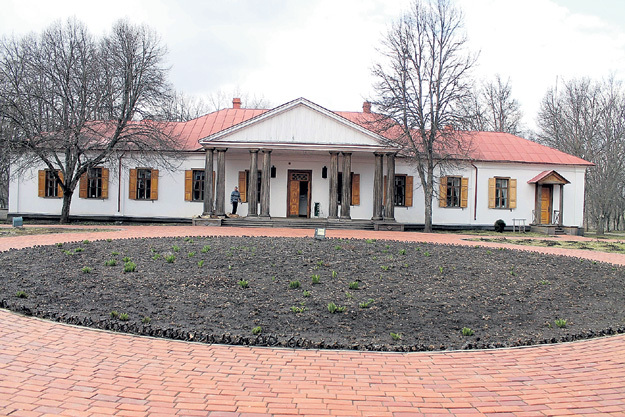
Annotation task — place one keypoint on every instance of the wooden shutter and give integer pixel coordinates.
(491, 192)
(188, 185)
(82, 186)
(42, 183)
(132, 185)
(105, 183)
(464, 192)
(442, 192)
(512, 193)
(409, 187)
(59, 184)
(243, 186)
(154, 185)
(355, 189)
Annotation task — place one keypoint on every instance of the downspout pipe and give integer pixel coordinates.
(119, 185)
(475, 196)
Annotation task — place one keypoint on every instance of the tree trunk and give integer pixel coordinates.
(600, 225)
(67, 201)
(429, 192)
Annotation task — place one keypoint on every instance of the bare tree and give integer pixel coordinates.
(587, 119)
(73, 102)
(181, 107)
(423, 75)
(492, 108)
(222, 99)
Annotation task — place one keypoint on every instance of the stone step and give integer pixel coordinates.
(300, 224)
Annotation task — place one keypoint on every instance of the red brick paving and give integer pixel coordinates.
(53, 369)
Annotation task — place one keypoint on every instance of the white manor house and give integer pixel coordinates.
(301, 161)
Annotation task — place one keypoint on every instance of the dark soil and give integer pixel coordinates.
(424, 293)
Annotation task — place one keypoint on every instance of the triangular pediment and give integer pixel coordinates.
(548, 177)
(298, 124)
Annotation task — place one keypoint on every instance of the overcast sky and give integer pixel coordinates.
(323, 50)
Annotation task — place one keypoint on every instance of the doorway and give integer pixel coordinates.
(545, 204)
(298, 198)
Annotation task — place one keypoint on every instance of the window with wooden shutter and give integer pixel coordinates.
(355, 189)
(94, 183)
(188, 185)
(502, 193)
(194, 185)
(105, 183)
(464, 192)
(409, 189)
(82, 186)
(154, 185)
(512, 191)
(243, 186)
(442, 192)
(491, 193)
(132, 185)
(42, 183)
(58, 185)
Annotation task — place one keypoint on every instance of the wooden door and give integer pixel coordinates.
(294, 186)
(545, 205)
(293, 198)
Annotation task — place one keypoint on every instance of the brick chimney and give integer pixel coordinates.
(236, 103)
(366, 107)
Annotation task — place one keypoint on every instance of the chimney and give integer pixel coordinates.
(366, 107)
(236, 103)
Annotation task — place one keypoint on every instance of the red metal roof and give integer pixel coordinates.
(484, 146)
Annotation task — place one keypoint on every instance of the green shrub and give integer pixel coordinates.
(86, 269)
(146, 320)
(315, 279)
(86, 242)
(175, 248)
(125, 259)
(333, 308)
(294, 285)
(114, 314)
(257, 330)
(396, 336)
(111, 262)
(123, 316)
(21, 294)
(335, 274)
(306, 293)
(200, 263)
(467, 332)
(114, 253)
(170, 259)
(354, 285)
(366, 304)
(130, 267)
(296, 309)
(244, 284)
(561, 323)
(78, 250)
(206, 248)
(191, 254)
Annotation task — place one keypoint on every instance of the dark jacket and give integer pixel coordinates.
(235, 197)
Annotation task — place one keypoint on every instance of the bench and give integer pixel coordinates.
(518, 224)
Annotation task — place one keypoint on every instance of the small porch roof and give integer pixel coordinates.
(549, 177)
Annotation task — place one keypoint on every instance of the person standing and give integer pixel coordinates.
(235, 199)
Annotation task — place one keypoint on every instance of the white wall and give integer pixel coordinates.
(23, 197)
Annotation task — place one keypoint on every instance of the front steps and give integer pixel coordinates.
(297, 223)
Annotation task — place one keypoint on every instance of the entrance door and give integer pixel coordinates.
(545, 204)
(298, 204)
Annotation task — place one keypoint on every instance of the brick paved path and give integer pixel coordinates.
(53, 369)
